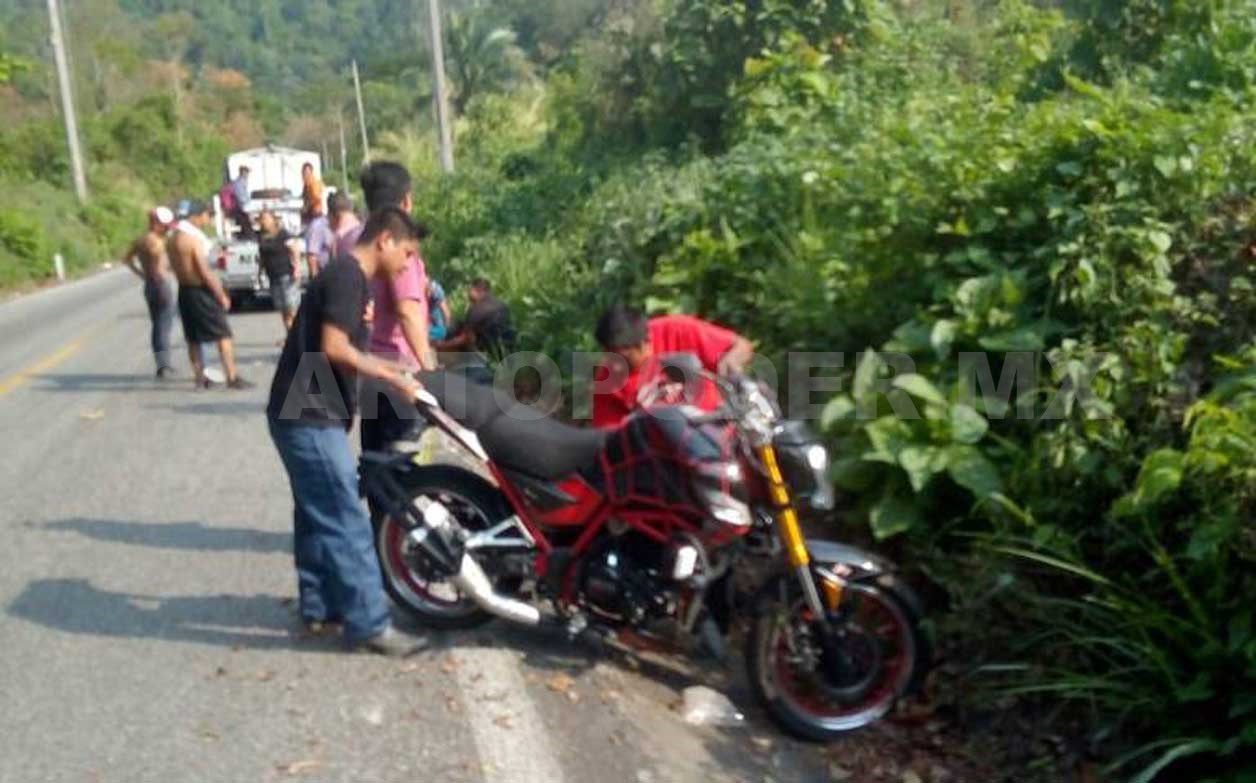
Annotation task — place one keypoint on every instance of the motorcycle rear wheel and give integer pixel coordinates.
(411, 581)
(883, 648)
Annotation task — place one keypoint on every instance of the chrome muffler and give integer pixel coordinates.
(470, 578)
(474, 583)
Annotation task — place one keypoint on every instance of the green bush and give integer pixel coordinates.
(137, 159)
(22, 244)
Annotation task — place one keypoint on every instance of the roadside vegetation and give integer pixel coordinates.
(1065, 187)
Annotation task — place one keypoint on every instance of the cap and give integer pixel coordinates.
(194, 207)
(162, 215)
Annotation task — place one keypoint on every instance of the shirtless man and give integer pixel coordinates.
(203, 303)
(147, 259)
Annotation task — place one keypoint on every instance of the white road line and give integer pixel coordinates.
(509, 734)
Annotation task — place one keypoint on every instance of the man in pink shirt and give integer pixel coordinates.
(400, 314)
(399, 328)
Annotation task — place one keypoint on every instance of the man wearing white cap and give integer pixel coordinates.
(147, 259)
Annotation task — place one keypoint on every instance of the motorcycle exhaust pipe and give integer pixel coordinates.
(470, 578)
(473, 582)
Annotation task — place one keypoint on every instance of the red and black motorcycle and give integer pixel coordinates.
(681, 526)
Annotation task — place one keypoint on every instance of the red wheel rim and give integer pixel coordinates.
(880, 622)
(394, 539)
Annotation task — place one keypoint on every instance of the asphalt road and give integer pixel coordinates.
(146, 587)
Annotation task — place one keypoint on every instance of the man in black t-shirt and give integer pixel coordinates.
(313, 400)
(485, 331)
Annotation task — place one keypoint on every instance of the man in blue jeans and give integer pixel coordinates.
(313, 400)
(147, 259)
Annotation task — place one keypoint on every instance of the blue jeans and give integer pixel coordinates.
(160, 297)
(338, 576)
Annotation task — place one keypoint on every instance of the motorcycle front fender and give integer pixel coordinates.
(867, 567)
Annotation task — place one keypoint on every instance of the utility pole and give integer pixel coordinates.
(344, 154)
(67, 101)
(357, 91)
(441, 93)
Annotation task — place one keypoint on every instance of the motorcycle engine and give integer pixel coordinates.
(621, 582)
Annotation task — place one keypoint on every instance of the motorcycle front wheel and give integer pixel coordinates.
(881, 648)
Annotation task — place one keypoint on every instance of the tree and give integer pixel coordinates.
(176, 31)
(549, 30)
(484, 58)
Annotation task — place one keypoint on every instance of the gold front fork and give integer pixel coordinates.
(787, 525)
(790, 531)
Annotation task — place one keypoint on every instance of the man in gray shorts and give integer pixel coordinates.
(277, 251)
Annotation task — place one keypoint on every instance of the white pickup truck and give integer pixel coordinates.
(275, 184)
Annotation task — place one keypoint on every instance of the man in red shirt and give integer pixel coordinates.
(640, 341)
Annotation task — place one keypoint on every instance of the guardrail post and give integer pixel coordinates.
(58, 264)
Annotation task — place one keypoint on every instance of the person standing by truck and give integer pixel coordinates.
(147, 259)
(324, 234)
(235, 197)
(280, 261)
(203, 303)
(311, 195)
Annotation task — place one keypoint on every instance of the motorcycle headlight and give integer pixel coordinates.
(805, 464)
(818, 458)
(823, 497)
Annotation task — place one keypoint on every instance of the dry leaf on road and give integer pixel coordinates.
(611, 695)
(560, 683)
(299, 767)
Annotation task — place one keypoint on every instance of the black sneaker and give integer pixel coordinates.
(240, 384)
(391, 644)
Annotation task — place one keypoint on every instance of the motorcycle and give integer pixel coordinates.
(681, 527)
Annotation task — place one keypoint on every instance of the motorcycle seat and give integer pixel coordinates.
(511, 433)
